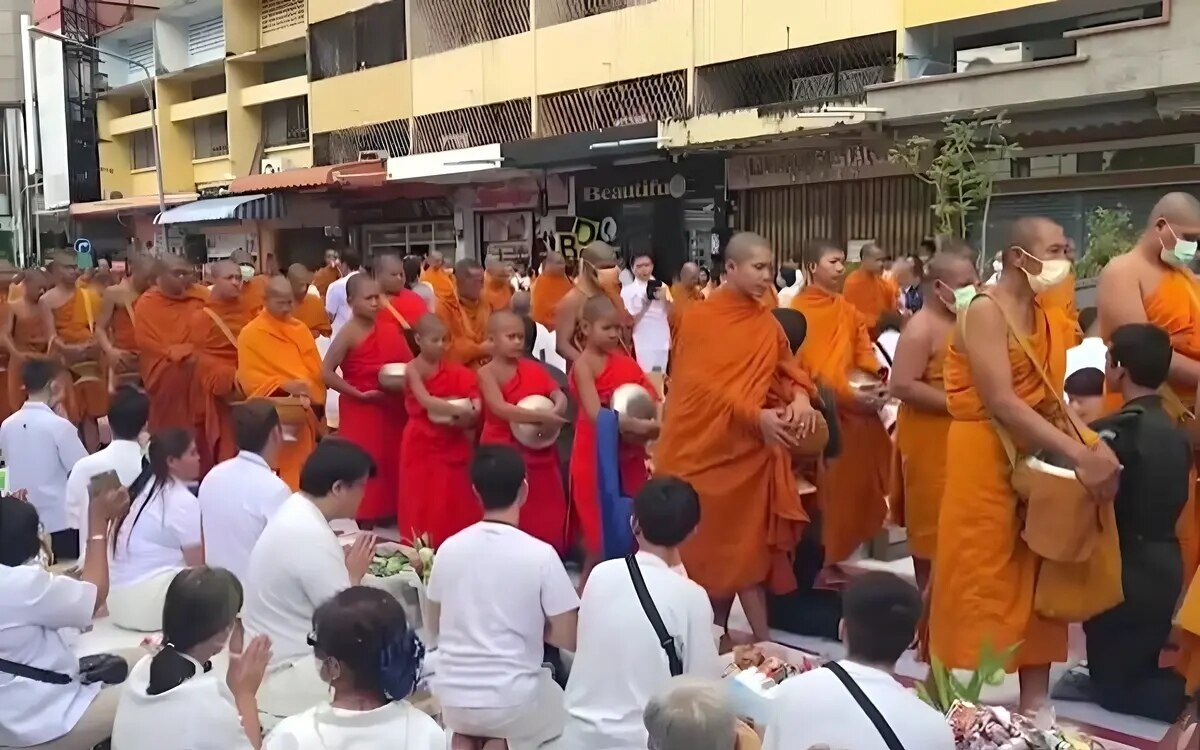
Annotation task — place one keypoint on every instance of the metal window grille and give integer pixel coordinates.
(142, 52)
(206, 36)
(141, 150)
(285, 122)
(823, 75)
(441, 25)
(281, 14)
(388, 139)
(473, 126)
(629, 102)
(210, 137)
(551, 12)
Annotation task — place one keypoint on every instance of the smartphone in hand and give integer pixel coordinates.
(103, 482)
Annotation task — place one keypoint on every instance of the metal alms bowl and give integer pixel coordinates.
(391, 376)
(535, 436)
(633, 400)
(439, 419)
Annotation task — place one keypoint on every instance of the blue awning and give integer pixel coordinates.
(259, 206)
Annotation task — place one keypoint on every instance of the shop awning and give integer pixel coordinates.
(229, 208)
(132, 203)
(358, 174)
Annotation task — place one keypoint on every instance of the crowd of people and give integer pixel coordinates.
(192, 436)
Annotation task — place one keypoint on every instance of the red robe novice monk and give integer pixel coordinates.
(443, 406)
(371, 417)
(601, 368)
(503, 382)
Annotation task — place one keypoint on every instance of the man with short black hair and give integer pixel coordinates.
(128, 412)
(620, 664)
(298, 564)
(39, 448)
(649, 302)
(495, 596)
(239, 496)
(335, 297)
(879, 621)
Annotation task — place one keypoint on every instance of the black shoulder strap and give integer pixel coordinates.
(885, 730)
(36, 674)
(664, 638)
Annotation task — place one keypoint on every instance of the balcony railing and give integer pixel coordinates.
(386, 139)
(442, 25)
(551, 12)
(472, 126)
(629, 102)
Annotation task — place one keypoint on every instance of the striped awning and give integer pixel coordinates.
(228, 208)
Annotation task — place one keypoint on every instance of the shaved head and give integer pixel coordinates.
(503, 320)
(174, 275)
(744, 245)
(435, 259)
(226, 280)
(521, 303)
(952, 269)
(600, 254)
(300, 278)
(1177, 208)
(689, 273)
(596, 308)
(279, 300)
(554, 264)
(749, 264)
(359, 283)
(468, 276)
(298, 271)
(871, 258)
(431, 325)
(388, 270)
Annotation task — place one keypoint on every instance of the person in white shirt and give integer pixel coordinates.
(619, 663)
(128, 411)
(239, 495)
(159, 537)
(37, 609)
(496, 595)
(412, 280)
(39, 448)
(793, 283)
(879, 620)
(335, 296)
(651, 332)
(625, 276)
(298, 564)
(174, 700)
(372, 662)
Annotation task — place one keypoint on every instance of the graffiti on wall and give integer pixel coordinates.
(567, 234)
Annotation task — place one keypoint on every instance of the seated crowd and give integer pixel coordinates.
(270, 639)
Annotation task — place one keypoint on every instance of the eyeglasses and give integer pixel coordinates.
(311, 639)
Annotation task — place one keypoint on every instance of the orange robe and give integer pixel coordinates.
(1062, 297)
(30, 339)
(310, 311)
(544, 295)
(497, 292)
(166, 357)
(770, 298)
(216, 376)
(727, 354)
(122, 337)
(919, 465)
(75, 323)
(254, 293)
(984, 573)
(853, 496)
(272, 352)
(324, 277)
(442, 281)
(6, 407)
(872, 294)
(467, 322)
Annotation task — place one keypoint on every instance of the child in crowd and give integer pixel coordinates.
(503, 383)
(603, 367)
(436, 448)
(1085, 393)
(496, 595)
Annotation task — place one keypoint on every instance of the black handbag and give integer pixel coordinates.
(108, 669)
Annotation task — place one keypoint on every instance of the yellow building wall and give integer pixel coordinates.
(244, 122)
(296, 157)
(126, 124)
(212, 170)
(923, 12)
(209, 105)
(470, 76)
(143, 182)
(113, 151)
(365, 97)
(175, 138)
(241, 25)
(253, 96)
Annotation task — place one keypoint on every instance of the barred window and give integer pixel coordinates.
(285, 122)
(141, 149)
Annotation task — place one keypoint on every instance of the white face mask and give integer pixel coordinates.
(1053, 273)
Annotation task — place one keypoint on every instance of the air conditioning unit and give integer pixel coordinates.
(272, 165)
(1000, 54)
(377, 154)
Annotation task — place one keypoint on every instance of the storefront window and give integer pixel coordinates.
(416, 238)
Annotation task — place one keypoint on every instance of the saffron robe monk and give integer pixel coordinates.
(838, 346)
(438, 278)
(435, 452)
(277, 357)
(503, 382)
(465, 316)
(167, 356)
(497, 288)
(308, 309)
(869, 290)
(70, 314)
(254, 284)
(328, 273)
(371, 417)
(919, 460)
(214, 330)
(599, 276)
(1152, 283)
(720, 436)
(24, 333)
(601, 368)
(984, 574)
(114, 324)
(548, 289)
(8, 275)
(686, 289)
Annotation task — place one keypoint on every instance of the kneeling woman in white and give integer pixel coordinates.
(174, 700)
(159, 537)
(372, 661)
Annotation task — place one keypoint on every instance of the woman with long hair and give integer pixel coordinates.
(372, 662)
(174, 700)
(159, 536)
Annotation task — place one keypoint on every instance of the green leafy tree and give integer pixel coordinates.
(960, 166)
(1110, 233)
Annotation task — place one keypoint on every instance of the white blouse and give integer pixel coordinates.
(397, 726)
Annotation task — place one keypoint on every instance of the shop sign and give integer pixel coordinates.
(806, 166)
(674, 187)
